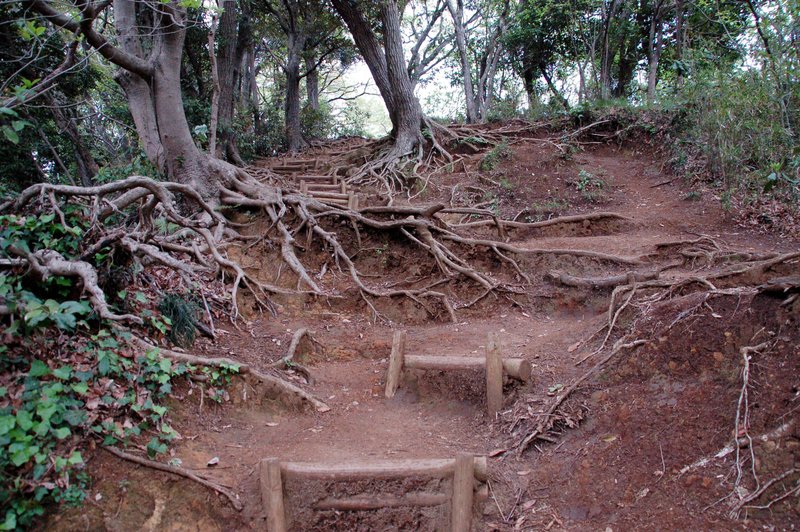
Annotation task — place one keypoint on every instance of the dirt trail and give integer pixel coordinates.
(436, 415)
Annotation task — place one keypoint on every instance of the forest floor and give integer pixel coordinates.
(648, 415)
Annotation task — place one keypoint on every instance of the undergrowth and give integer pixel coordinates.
(68, 378)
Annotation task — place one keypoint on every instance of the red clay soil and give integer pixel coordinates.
(651, 413)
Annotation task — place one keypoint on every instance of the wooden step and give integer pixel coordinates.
(466, 470)
(320, 187)
(319, 178)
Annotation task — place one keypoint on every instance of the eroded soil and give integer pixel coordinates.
(648, 415)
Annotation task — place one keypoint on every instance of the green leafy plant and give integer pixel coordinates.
(495, 155)
(590, 186)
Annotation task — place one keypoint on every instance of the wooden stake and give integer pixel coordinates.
(463, 479)
(395, 362)
(494, 377)
(272, 495)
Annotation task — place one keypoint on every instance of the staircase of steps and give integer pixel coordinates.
(309, 180)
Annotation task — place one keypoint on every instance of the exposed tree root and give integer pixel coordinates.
(279, 387)
(181, 472)
(288, 361)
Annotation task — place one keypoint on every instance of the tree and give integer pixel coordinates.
(479, 55)
(387, 64)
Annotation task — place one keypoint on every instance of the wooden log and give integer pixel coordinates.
(494, 376)
(518, 368)
(323, 187)
(303, 187)
(317, 178)
(272, 494)
(374, 502)
(352, 201)
(395, 362)
(331, 195)
(461, 506)
(380, 469)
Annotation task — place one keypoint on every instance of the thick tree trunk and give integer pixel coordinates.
(457, 13)
(369, 47)
(407, 115)
(156, 104)
(294, 134)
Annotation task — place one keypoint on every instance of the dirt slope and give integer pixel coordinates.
(650, 414)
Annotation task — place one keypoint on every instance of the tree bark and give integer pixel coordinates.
(294, 134)
(369, 47)
(312, 82)
(229, 58)
(407, 115)
(457, 13)
(654, 53)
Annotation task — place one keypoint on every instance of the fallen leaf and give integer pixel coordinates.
(609, 439)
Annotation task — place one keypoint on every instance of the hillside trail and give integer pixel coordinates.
(433, 415)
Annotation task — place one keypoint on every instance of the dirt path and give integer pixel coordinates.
(436, 415)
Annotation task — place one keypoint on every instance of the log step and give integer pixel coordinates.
(466, 470)
(322, 187)
(496, 366)
(315, 177)
(518, 368)
(380, 469)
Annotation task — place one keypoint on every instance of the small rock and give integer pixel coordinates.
(718, 356)
(214, 461)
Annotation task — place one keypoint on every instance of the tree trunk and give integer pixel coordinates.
(87, 167)
(294, 134)
(457, 13)
(369, 47)
(607, 56)
(156, 104)
(407, 115)
(312, 83)
(556, 94)
(229, 59)
(654, 55)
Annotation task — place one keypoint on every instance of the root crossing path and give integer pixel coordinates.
(441, 414)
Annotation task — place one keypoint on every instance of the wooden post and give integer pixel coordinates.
(303, 187)
(344, 187)
(463, 479)
(272, 495)
(494, 376)
(395, 362)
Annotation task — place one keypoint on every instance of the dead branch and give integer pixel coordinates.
(181, 472)
(544, 425)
